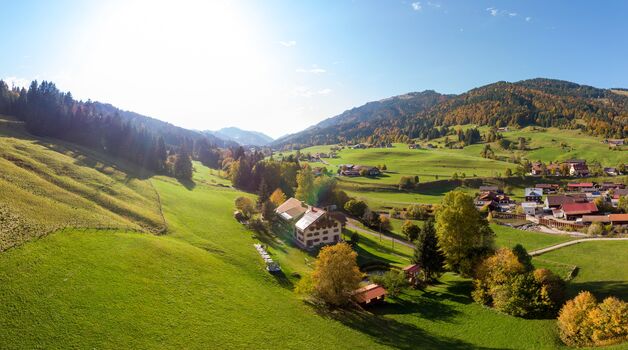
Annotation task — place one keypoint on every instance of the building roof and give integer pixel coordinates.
(533, 192)
(580, 167)
(595, 218)
(291, 209)
(368, 293)
(310, 217)
(412, 268)
(579, 208)
(618, 217)
(580, 185)
(546, 185)
(559, 199)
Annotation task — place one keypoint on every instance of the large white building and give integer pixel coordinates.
(317, 227)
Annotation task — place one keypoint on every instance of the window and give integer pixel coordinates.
(317, 240)
(336, 238)
(325, 232)
(336, 230)
(309, 235)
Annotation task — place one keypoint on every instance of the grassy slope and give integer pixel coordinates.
(509, 237)
(48, 184)
(602, 266)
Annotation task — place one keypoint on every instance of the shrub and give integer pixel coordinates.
(355, 207)
(408, 182)
(410, 230)
(584, 322)
(245, 205)
(417, 212)
(393, 281)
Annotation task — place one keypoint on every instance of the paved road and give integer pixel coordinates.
(565, 244)
(351, 225)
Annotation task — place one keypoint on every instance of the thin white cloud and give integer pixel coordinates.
(416, 6)
(528, 19)
(304, 91)
(17, 82)
(433, 4)
(493, 11)
(497, 12)
(512, 14)
(314, 70)
(290, 43)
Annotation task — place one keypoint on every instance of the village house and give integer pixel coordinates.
(581, 187)
(618, 219)
(577, 167)
(614, 143)
(493, 201)
(317, 227)
(548, 188)
(575, 211)
(534, 195)
(611, 171)
(369, 294)
(530, 208)
(414, 146)
(412, 273)
(556, 201)
(359, 146)
(358, 170)
(553, 169)
(502, 129)
(291, 210)
(537, 169)
(617, 194)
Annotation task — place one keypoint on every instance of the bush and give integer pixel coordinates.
(408, 182)
(584, 322)
(245, 205)
(410, 230)
(355, 208)
(393, 281)
(417, 212)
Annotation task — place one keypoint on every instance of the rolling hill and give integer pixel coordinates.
(540, 102)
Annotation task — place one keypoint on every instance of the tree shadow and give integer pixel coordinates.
(189, 184)
(390, 332)
(425, 307)
(283, 280)
(601, 289)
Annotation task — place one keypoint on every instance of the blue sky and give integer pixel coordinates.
(280, 66)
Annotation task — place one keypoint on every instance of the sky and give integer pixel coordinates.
(280, 66)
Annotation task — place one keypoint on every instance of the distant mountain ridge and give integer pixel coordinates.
(242, 137)
(543, 102)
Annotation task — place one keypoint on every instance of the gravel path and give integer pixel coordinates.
(565, 244)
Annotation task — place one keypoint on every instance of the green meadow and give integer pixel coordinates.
(203, 285)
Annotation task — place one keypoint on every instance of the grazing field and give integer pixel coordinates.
(47, 184)
(509, 237)
(601, 266)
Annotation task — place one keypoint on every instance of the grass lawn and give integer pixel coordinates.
(509, 237)
(601, 266)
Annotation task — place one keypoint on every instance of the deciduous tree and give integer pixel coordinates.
(336, 274)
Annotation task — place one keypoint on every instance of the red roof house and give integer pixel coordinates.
(371, 293)
(577, 210)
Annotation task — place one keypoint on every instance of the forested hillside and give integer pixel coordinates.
(144, 141)
(540, 102)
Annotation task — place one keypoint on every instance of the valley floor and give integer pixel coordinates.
(204, 286)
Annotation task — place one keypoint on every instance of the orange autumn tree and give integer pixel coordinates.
(277, 197)
(336, 274)
(584, 322)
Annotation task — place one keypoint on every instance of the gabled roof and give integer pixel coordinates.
(579, 208)
(368, 293)
(533, 192)
(414, 268)
(291, 209)
(559, 199)
(309, 218)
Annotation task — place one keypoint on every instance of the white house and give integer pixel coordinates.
(317, 227)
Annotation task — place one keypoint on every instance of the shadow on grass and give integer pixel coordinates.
(283, 280)
(187, 183)
(601, 289)
(425, 307)
(390, 332)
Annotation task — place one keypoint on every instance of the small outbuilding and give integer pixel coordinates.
(369, 294)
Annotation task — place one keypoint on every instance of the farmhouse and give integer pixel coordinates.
(291, 210)
(357, 170)
(369, 294)
(529, 208)
(578, 169)
(547, 188)
(534, 195)
(556, 201)
(414, 146)
(317, 227)
(581, 186)
(615, 142)
(573, 211)
(538, 169)
(412, 272)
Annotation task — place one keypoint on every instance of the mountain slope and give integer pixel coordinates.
(242, 137)
(542, 102)
(362, 121)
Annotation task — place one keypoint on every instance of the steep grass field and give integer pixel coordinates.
(47, 185)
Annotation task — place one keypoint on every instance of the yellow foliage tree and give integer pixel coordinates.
(584, 322)
(336, 274)
(278, 197)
